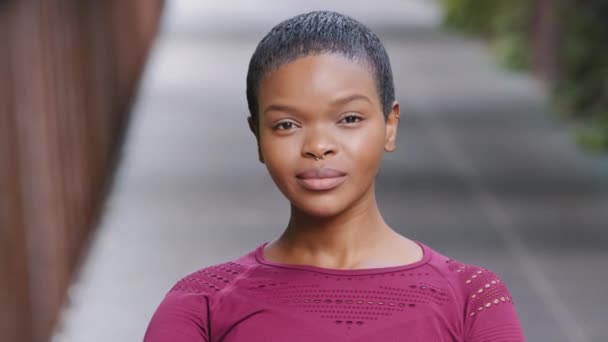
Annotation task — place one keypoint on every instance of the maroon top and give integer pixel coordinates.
(256, 300)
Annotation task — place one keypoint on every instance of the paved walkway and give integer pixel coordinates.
(482, 173)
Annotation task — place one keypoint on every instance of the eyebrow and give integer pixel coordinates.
(342, 101)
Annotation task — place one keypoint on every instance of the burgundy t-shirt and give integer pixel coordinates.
(251, 299)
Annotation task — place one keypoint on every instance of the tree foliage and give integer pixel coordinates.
(581, 84)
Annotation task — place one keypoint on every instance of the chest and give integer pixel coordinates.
(326, 311)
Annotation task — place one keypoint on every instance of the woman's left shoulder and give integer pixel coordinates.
(462, 273)
(485, 298)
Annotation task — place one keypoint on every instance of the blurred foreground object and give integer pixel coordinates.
(564, 42)
(68, 73)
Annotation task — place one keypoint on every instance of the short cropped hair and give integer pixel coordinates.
(316, 33)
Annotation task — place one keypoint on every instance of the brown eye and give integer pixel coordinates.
(284, 125)
(352, 119)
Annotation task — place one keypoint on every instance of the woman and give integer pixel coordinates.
(323, 112)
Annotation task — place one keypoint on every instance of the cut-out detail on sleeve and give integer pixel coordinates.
(489, 308)
(183, 315)
(483, 287)
(210, 279)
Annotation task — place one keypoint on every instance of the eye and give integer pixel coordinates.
(349, 119)
(286, 125)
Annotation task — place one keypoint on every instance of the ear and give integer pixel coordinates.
(392, 123)
(254, 129)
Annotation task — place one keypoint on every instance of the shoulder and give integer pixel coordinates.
(185, 309)
(214, 280)
(485, 298)
(479, 287)
(210, 280)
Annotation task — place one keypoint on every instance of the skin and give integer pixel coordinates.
(327, 105)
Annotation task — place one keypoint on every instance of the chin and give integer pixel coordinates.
(320, 208)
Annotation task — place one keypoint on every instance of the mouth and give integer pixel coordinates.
(321, 178)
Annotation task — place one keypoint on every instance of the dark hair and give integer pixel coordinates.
(316, 33)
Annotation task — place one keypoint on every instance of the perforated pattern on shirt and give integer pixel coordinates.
(344, 303)
(210, 279)
(485, 289)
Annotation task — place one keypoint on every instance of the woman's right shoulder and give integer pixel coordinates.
(185, 309)
(210, 280)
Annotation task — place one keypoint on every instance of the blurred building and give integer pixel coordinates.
(68, 70)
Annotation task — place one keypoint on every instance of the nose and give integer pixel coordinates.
(318, 144)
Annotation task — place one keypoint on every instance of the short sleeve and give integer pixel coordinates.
(180, 317)
(490, 311)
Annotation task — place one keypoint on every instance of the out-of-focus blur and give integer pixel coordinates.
(68, 72)
(127, 162)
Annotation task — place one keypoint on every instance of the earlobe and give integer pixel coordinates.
(392, 123)
(254, 129)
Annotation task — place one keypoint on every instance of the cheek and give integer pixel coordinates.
(367, 150)
(280, 155)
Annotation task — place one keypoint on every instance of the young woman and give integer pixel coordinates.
(323, 112)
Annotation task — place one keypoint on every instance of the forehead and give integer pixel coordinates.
(318, 78)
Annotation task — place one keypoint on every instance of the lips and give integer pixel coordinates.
(321, 178)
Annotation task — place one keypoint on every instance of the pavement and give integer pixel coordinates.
(484, 172)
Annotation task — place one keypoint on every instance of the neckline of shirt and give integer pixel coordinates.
(426, 256)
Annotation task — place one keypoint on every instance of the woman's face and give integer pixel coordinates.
(323, 106)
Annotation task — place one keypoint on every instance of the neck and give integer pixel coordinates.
(341, 240)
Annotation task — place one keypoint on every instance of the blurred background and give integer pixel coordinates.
(126, 161)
